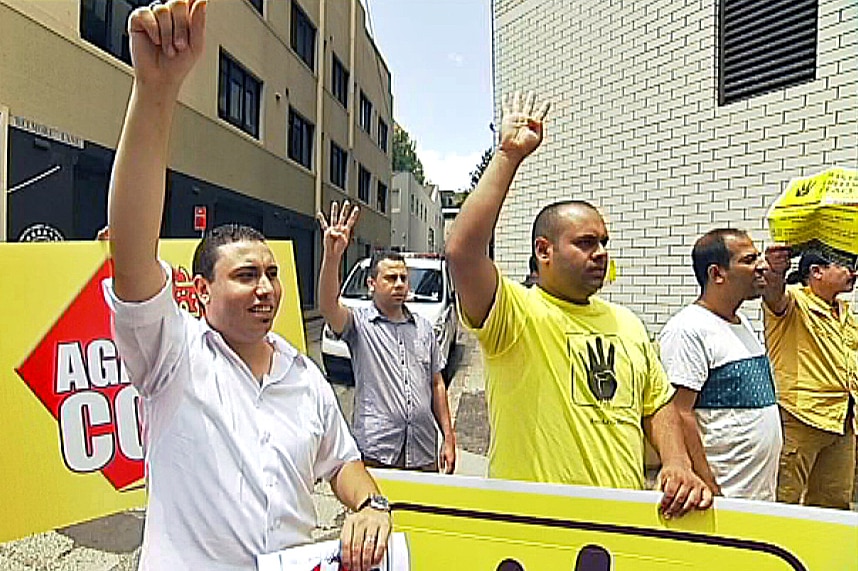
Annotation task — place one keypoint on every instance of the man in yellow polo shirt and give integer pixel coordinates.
(573, 382)
(812, 338)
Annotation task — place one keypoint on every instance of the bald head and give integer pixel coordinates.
(549, 222)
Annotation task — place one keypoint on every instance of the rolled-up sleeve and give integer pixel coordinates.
(150, 336)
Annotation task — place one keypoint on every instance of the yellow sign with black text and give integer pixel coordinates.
(70, 440)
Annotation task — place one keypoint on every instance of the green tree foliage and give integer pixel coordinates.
(481, 168)
(404, 156)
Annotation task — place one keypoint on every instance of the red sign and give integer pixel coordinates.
(200, 218)
(76, 372)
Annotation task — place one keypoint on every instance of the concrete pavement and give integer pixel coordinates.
(112, 543)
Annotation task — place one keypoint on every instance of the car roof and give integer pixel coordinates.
(413, 260)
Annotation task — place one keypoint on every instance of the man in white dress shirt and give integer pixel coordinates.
(238, 426)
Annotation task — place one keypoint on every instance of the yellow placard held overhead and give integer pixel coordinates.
(820, 212)
(70, 441)
(453, 522)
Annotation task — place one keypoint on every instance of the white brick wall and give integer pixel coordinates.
(636, 129)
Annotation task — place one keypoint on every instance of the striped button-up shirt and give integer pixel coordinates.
(394, 363)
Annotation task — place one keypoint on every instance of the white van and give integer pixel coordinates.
(431, 296)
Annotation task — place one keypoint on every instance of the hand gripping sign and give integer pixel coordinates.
(819, 212)
(70, 437)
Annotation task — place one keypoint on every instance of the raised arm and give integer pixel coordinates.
(166, 41)
(468, 244)
(777, 262)
(335, 241)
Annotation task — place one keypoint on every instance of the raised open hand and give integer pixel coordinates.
(521, 124)
(166, 41)
(338, 233)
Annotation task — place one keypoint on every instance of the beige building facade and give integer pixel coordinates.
(289, 109)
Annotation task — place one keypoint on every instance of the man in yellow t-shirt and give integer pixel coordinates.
(812, 338)
(573, 382)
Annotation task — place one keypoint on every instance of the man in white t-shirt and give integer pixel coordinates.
(725, 390)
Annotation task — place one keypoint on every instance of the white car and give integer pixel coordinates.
(431, 295)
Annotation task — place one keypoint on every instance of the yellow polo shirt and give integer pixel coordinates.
(814, 356)
(567, 387)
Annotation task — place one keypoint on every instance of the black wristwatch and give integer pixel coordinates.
(376, 502)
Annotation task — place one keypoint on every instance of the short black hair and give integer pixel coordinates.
(547, 222)
(711, 249)
(808, 259)
(206, 256)
(533, 265)
(379, 256)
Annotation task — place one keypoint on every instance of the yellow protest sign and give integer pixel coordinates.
(69, 435)
(492, 525)
(821, 212)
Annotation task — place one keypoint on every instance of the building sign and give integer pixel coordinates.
(70, 438)
(46, 131)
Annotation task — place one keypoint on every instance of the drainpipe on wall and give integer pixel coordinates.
(4, 152)
(320, 104)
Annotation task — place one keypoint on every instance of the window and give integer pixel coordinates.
(395, 201)
(363, 184)
(340, 82)
(300, 139)
(381, 197)
(303, 36)
(257, 4)
(238, 96)
(339, 164)
(382, 135)
(412, 204)
(765, 45)
(103, 23)
(365, 113)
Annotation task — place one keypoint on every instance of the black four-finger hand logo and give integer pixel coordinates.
(600, 373)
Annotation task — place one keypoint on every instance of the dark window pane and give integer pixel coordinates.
(340, 81)
(363, 184)
(365, 113)
(303, 36)
(238, 96)
(300, 139)
(103, 24)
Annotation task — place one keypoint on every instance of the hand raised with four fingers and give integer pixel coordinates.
(166, 41)
(338, 233)
(521, 124)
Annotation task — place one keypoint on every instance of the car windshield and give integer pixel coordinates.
(425, 285)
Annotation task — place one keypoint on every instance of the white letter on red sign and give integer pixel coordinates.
(78, 413)
(102, 363)
(127, 426)
(71, 372)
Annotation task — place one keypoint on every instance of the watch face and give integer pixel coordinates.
(377, 502)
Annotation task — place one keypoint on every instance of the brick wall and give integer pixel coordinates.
(635, 128)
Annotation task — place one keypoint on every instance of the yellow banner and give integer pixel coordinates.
(491, 525)
(819, 212)
(70, 447)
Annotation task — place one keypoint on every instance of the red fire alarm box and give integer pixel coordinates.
(200, 218)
